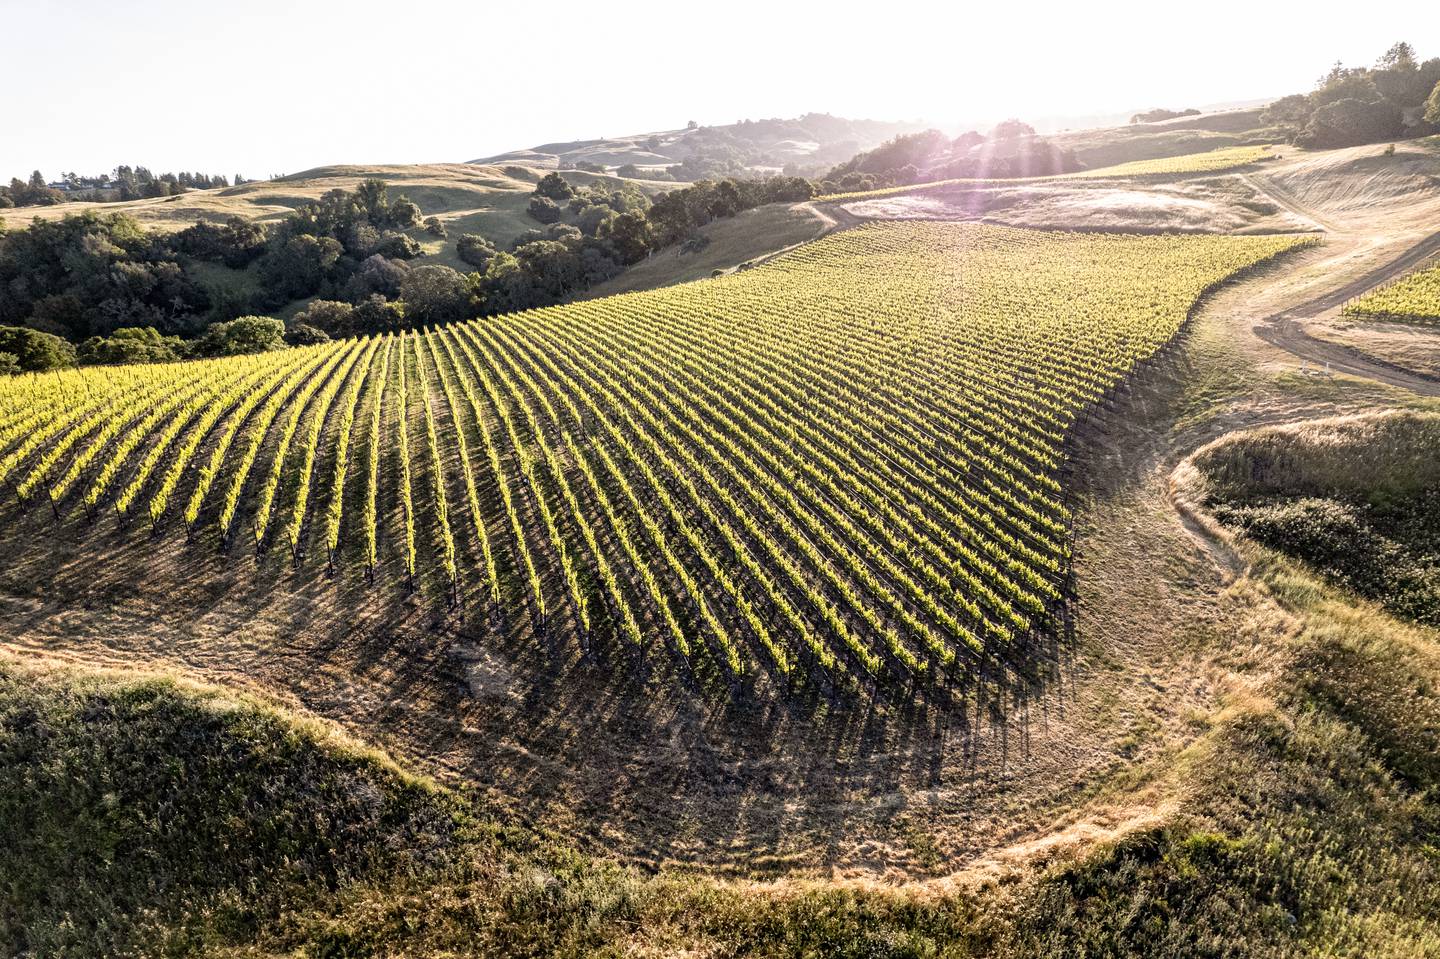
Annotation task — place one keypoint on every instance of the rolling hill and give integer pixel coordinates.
(468, 198)
(812, 140)
(1013, 568)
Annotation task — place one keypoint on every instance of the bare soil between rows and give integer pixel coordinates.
(655, 773)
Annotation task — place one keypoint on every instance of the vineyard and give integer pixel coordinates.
(1215, 161)
(845, 467)
(1415, 297)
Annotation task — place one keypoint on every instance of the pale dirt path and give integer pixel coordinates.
(1284, 198)
(1286, 328)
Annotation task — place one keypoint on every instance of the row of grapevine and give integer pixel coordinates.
(1414, 297)
(846, 466)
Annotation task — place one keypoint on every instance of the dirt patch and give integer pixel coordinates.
(1223, 204)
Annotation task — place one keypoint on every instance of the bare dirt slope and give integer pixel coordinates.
(1381, 215)
(654, 773)
(1213, 204)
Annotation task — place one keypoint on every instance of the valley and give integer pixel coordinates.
(1007, 565)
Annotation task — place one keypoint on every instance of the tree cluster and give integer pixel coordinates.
(123, 294)
(23, 350)
(91, 274)
(1012, 149)
(346, 245)
(123, 183)
(34, 192)
(607, 231)
(87, 277)
(27, 350)
(1156, 116)
(1398, 97)
(134, 183)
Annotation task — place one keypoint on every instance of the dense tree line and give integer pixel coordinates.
(1156, 116)
(34, 192)
(124, 183)
(26, 350)
(129, 183)
(97, 288)
(1012, 149)
(1398, 97)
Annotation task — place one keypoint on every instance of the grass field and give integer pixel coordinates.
(690, 474)
(729, 243)
(1214, 161)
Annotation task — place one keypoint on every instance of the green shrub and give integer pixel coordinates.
(35, 352)
(543, 209)
(248, 334)
(132, 344)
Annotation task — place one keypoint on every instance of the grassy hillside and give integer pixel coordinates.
(1110, 146)
(159, 816)
(467, 198)
(810, 140)
(1169, 167)
(727, 244)
(1358, 498)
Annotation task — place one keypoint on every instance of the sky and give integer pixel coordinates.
(261, 87)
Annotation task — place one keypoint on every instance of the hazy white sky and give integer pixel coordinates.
(276, 86)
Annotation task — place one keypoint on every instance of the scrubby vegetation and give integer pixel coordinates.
(1354, 105)
(1012, 149)
(1357, 499)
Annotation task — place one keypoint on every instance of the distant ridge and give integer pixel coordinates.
(814, 140)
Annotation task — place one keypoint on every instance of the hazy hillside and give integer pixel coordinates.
(468, 198)
(1147, 141)
(812, 140)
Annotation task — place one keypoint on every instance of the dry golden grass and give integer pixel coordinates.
(1392, 451)
(467, 198)
(1406, 345)
(733, 242)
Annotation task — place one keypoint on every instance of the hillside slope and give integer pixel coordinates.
(467, 198)
(810, 140)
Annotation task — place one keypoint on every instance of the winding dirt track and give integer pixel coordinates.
(1286, 330)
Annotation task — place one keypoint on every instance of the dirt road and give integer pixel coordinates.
(1286, 329)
